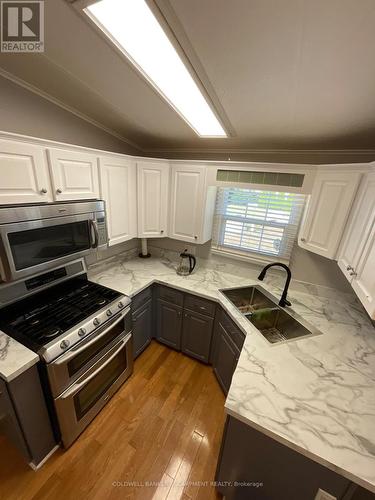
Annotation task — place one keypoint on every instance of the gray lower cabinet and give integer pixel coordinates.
(9, 424)
(168, 323)
(225, 358)
(142, 328)
(24, 417)
(196, 335)
(227, 343)
(252, 465)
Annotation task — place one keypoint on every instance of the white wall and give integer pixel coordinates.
(24, 112)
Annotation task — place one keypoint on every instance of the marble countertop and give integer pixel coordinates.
(315, 395)
(14, 358)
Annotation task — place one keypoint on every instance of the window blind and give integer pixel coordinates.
(249, 221)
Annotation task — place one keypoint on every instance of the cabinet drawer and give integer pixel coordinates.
(141, 298)
(170, 295)
(235, 334)
(202, 306)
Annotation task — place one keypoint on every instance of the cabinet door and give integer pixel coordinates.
(9, 424)
(169, 322)
(359, 228)
(153, 191)
(142, 328)
(225, 358)
(187, 203)
(196, 335)
(364, 277)
(74, 175)
(118, 189)
(327, 212)
(23, 173)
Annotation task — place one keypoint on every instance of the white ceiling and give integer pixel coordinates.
(284, 74)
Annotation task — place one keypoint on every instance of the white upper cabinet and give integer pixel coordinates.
(118, 187)
(153, 197)
(23, 173)
(74, 175)
(192, 204)
(327, 211)
(359, 227)
(357, 252)
(364, 274)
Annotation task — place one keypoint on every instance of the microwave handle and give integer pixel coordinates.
(76, 387)
(73, 353)
(94, 233)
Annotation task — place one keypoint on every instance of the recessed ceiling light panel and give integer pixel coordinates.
(133, 28)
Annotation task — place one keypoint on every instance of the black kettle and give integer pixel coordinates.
(187, 263)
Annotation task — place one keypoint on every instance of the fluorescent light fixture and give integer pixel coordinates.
(132, 27)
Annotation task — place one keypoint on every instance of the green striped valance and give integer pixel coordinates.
(269, 178)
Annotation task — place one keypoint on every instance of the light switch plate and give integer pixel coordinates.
(323, 495)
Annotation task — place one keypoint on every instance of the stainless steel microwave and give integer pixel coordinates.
(34, 238)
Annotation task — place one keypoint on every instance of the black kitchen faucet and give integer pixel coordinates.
(283, 301)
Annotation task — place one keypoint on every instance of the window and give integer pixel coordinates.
(133, 28)
(257, 223)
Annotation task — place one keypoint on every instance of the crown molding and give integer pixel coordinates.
(70, 109)
(230, 151)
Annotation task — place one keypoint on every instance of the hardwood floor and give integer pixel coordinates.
(157, 438)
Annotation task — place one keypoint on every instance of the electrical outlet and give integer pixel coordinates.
(190, 249)
(323, 495)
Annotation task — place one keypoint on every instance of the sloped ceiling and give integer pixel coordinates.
(290, 74)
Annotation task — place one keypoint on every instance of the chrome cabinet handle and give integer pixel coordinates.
(73, 353)
(58, 191)
(76, 387)
(43, 191)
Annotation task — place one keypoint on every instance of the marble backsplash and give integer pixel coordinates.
(217, 263)
(251, 271)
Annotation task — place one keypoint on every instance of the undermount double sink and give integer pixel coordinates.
(275, 323)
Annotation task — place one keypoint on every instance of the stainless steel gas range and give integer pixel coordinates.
(81, 331)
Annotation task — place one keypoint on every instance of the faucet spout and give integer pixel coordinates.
(283, 301)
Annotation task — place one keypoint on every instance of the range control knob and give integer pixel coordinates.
(65, 344)
(96, 321)
(109, 312)
(82, 332)
(120, 305)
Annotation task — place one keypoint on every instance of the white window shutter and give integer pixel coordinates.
(250, 221)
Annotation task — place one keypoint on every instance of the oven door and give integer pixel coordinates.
(79, 404)
(71, 365)
(30, 247)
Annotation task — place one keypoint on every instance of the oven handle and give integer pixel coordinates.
(76, 387)
(73, 353)
(94, 229)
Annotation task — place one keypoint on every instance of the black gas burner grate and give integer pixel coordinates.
(48, 315)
